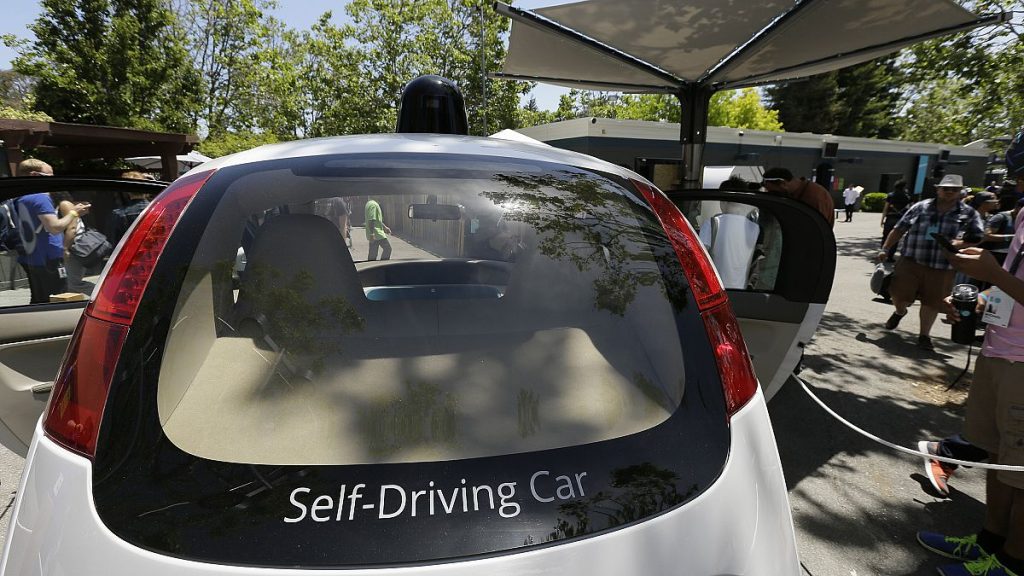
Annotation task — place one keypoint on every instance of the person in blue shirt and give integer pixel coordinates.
(42, 236)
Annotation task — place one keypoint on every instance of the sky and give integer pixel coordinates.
(299, 14)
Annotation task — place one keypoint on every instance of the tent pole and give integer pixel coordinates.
(694, 100)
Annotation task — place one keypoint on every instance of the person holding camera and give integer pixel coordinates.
(995, 415)
(922, 272)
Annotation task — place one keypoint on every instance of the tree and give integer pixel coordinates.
(736, 109)
(227, 42)
(742, 109)
(870, 96)
(968, 86)
(112, 62)
(334, 96)
(230, 142)
(809, 105)
(16, 90)
(398, 40)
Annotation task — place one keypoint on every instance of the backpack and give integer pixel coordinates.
(1015, 157)
(91, 247)
(9, 239)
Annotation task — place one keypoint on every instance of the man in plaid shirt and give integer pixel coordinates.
(922, 272)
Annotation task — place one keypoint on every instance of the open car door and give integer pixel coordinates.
(777, 259)
(33, 336)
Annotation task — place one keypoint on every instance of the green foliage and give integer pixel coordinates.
(742, 109)
(228, 41)
(860, 101)
(736, 109)
(16, 90)
(968, 86)
(225, 143)
(112, 62)
(10, 113)
(873, 202)
(396, 41)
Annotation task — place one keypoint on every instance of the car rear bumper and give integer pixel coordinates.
(741, 525)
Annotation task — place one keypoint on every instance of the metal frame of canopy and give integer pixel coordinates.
(695, 95)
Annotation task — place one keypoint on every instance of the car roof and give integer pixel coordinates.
(416, 144)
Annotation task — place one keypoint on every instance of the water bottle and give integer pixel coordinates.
(965, 300)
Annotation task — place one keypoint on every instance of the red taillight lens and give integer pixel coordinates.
(734, 368)
(707, 288)
(75, 408)
(118, 296)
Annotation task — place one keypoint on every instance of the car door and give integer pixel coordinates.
(33, 337)
(777, 259)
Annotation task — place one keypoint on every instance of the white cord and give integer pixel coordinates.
(899, 448)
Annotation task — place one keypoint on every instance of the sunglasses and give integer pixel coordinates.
(768, 181)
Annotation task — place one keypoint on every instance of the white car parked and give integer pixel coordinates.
(547, 378)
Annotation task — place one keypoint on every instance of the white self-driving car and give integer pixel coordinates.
(545, 378)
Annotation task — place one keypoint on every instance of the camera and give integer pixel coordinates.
(965, 301)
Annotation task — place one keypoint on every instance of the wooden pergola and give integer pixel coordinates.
(75, 142)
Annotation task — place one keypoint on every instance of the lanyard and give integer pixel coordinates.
(1016, 261)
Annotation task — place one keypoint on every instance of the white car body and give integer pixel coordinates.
(739, 524)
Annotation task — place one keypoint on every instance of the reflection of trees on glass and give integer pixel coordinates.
(287, 314)
(592, 225)
(642, 490)
(424, 416)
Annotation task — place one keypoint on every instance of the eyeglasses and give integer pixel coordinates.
(768, 181)
(35, 173)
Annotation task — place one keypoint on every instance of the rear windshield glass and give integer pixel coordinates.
(363, 310)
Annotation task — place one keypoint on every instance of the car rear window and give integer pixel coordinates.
(527, 368)
(520, 310)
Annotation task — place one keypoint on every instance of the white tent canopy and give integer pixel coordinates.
(661, 45)
(692, 48)
(185, 161)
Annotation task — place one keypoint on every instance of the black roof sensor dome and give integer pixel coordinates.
(434, 105)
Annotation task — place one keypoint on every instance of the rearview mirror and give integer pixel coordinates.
(435, 211)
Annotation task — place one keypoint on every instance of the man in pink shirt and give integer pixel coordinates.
(995, 419)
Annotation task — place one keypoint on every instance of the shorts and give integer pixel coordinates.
(912, 281)
(995, 414)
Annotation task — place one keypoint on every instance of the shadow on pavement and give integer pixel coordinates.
(852, 514)
(859, 247)
(906, 395)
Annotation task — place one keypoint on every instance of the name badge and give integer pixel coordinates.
(998, 308)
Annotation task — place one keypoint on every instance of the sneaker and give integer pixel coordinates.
(987, 566)
(937, 472)
(960, 548)
(894, 320)
(925, 343)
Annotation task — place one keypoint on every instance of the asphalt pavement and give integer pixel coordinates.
(856, 504)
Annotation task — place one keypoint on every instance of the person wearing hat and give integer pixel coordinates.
(922, 271)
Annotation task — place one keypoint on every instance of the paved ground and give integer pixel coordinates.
(856, 505)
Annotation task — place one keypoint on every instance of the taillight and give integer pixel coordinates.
(734, 369)
(707, 288)
(126, 280)
(75, 408)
